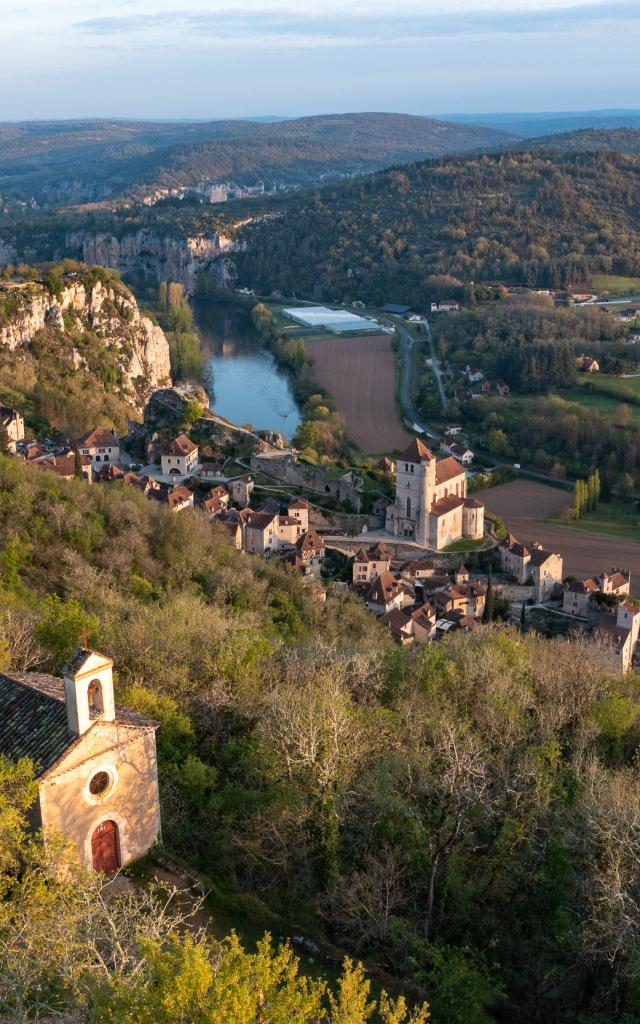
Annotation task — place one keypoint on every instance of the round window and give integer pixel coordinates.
(100, 783)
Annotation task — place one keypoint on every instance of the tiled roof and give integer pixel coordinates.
(473, 503)
(299, 503)
(415, 452)
(539, 556)
(32, 724)
(440, 508)
(261, 520)
(447, 469)
(310, 541)
(181, 446)
(101, 437)
(617, 579)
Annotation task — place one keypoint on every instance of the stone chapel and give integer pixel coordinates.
(95, 762)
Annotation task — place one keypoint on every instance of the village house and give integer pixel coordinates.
(384, 593)
(95, 761)
(241, 490)
(503, 389)
(220, 493)
(461, 454)
(589, 365)
(309, 554)
(261, 534)
(299, 508)
(64, 466)
(177, 498)
(100, 445)
(616, 582)
(431, 505)
(474, 374)
(420, 568)
(11, 428)
(445, 306)
(543, 568)
(370, 563)
(577, 596)
(180, 458)
(288, 530)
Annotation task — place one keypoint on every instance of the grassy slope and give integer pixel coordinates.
(614, 519)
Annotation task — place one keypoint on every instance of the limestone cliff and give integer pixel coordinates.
(162, 257)
(93, 325)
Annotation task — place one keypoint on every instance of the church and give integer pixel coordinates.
(431, 505)
(95, 761)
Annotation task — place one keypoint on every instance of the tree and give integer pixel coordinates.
(262, 318)
(487, 615)
(523, 616)
(60, 626)
(77, 463)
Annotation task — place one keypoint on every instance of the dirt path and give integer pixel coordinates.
(360, 375)
(523, 504)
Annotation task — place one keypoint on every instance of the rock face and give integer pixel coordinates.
(164, 258)
(108, 311)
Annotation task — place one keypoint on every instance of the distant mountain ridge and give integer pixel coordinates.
(531, 125)
(68, 162)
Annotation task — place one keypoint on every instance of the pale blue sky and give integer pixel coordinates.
(136, 58)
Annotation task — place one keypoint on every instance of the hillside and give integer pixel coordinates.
(545, 219)
(71, 162)
(323, 781)
(75, 350)
(618, 140)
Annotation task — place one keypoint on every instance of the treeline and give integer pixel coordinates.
(532, 344)
(559, 437)
(318, 774)
(586, 495)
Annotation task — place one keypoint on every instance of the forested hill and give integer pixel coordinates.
(619, 140)
(545, 219)
(92, 160)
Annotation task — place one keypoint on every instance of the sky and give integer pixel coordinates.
(202, 59)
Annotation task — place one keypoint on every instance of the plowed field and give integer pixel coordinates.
(359, 373)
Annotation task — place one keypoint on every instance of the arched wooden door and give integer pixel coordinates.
(104, 848)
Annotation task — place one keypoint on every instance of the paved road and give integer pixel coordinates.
(435, 365)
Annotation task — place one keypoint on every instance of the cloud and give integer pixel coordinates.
(364, 26)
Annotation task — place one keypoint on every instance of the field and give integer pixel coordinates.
(603, 404)
(614, 285)
(525, 505)
(360, 375)
(614, 518)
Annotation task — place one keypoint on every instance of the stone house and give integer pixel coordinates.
(11, 428)
(241, 490)
(309, 554)
(384, 594)
(546, 570)
(298, 509)
(95, 761)
(177, 499)
(370, 563)
(589, 365)
(261, 534)
(616, 582)
(180, 458)
(576, 598)
(100, 445)
(64, 466)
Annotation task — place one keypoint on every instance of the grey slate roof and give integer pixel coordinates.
(33, 718)
(32, 722)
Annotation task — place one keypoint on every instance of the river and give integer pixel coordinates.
(243, 380)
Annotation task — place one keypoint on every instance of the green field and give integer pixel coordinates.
(615, 519)
(467, 545)
(613, 285)
(605, 406)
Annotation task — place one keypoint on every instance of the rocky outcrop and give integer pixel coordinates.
(162, 257)
(108, 311)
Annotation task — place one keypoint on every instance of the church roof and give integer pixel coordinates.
(33, 719)
(33, 724)
(415, 452)
(447, 469)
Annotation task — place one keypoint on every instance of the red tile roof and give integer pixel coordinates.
(101, 437)
(416, 452)
(447, 469)
(182, 445)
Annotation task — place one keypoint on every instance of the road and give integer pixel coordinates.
(405, 389)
